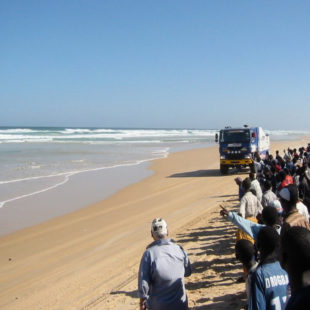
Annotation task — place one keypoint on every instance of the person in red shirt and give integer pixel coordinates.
(285, 179)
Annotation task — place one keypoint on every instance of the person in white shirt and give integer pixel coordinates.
(256, 186)
(268, 195)
(250, 206)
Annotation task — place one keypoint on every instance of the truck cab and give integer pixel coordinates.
(237, 147)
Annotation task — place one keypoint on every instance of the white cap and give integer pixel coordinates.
(285, 194)
(159, 226)
(289, 193)
(276, 204)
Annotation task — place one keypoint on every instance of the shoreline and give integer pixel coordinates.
(64, 193)
(72, 194)
(54, 196)
(88, 259)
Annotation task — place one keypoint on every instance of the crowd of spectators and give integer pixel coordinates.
(273, 241)
(274, 246)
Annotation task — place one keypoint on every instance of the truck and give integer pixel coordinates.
(238, 146)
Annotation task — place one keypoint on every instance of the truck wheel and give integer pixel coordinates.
(224, 169)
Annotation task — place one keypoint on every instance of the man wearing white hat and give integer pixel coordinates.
(161, 274)
(289, 198)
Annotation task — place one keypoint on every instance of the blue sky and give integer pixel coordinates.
(171, 64)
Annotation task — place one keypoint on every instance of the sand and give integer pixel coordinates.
(81, 190)
(89, 259)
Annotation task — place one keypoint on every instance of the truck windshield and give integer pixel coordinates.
(235, 136)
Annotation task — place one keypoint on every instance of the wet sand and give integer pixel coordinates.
(80, 190)
(89, 259)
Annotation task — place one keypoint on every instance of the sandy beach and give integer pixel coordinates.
(89, 259)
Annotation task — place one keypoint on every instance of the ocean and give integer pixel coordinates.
(28, 153)
(39, 165)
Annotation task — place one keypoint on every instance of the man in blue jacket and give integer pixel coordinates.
(161, 274)
(270, 218)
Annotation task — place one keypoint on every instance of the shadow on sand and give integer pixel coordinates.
(228, 301)
(220, 269)
(132, 294)
(197, 174)
(208, 173)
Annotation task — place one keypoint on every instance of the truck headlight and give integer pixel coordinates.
(222, 157)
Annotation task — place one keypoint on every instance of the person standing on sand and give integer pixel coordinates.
(250, 206)
(295, 259)
(270, 218)
(285, 179)
(269, 281)
(268, 194)
(245, 253)
(289, 198)
(304, 185)
(240, 190)
(161, 274)
(256, 186)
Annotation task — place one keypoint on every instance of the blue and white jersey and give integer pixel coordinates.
(268, 287)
